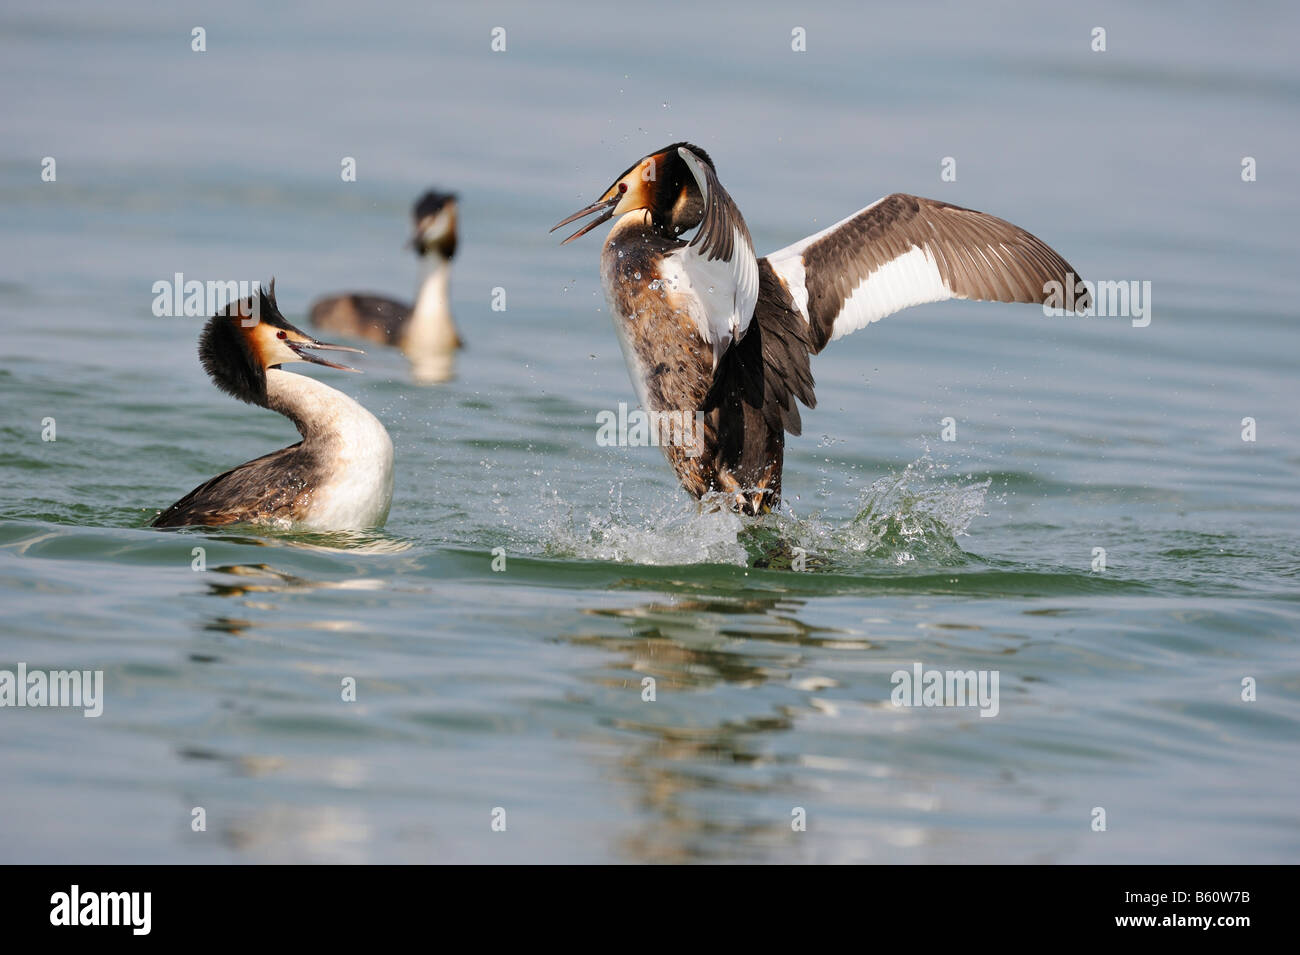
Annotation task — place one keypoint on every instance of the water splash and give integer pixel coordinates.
(917, 514)
(913, 516)
(678, 532)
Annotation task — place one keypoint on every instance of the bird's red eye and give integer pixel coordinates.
(622, 187)
(281, 334)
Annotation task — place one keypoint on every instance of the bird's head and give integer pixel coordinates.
(662, 184)
(249, 336)
(434, 215)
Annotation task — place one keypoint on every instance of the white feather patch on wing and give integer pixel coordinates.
(911, 279)
(905, 250)
(788, 262)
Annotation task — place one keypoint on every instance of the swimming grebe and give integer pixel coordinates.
(705, 326)
(425, 331)
(338, 477)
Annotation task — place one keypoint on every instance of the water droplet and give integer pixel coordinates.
(710, 289)
(636, 275)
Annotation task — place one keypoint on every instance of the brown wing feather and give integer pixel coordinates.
(265, 488)
(978, 256)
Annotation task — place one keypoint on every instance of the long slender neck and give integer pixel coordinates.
(319, 412)
(346, 454)
(430, 338)
(432, 312)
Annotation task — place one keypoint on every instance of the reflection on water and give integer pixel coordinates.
(724, 618)
(356, 542)
(771, 643)
(281, 831)
(434, 368)
(760, 719)
(288, 833)
(690, 646)
(266, 579)
(262, 579)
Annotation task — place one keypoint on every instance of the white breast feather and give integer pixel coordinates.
(359, 488)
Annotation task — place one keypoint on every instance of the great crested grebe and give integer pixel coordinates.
(424, 331)
(338, 477)
(707, 327)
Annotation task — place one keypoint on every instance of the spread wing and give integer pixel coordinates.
(905, 250)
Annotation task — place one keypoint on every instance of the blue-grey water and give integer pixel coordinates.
(1121, 689)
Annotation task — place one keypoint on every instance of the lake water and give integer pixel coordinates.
(1121, 688)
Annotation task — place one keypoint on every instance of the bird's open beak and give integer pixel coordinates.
(604, 206)
(300, 349)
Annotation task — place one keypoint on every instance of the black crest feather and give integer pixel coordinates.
(431, 203)
(226, 351)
